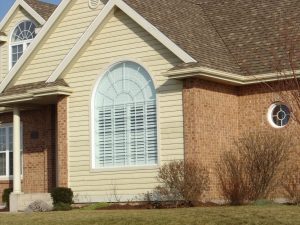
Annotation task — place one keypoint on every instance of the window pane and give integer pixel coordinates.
(14, 57)
(17, 52)
(22, 26)
(20, 49)
(2, 139)
(24, 31)
(280, 115)
(14, 49)
(2, 164)
(11, 163)
(10, 138)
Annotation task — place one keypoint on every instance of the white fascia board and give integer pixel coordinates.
(9, 14)
(8, 78)
(46, 91)
(230, 78)
(84, 38)
(3, 38)
(179, 52)
(100, 19)
(25, 6)
(16, 98)
(33, 13)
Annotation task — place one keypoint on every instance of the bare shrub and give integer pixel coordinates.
(231, 176)
(291, 183)
(264, 156)
(182, 181)
(253, 169)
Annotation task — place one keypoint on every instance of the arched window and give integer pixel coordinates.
(125, 125)
(20, 40)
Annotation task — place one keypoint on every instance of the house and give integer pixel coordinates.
(96, 95)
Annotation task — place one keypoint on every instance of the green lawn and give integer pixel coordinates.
(260, 215)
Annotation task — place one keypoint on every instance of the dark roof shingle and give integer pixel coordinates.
(44, 9)
(186, 25)
(23, 88)
(239, 36)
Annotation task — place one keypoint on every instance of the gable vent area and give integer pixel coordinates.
(93, 4)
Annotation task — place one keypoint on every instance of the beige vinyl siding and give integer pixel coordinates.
(18, 16)
(121, 38)
(59, 41)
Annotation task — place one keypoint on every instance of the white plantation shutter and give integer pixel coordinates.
(104, 134)
(151, 132)
(125, 118)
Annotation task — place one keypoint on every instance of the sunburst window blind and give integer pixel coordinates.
(125, 123)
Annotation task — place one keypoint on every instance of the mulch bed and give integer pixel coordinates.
(155, 205)
(4, 210)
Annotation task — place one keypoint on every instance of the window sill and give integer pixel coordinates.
(6, 178)
(127, 168)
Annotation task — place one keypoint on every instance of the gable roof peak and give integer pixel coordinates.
(44, 9)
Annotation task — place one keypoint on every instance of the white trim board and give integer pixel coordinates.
(34, 43)
(33, 13)
(229, 78)
(28, 9)
(101, 18)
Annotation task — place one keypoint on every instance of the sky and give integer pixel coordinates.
(6, 4)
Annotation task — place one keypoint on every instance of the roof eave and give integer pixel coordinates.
(3, 38)
(226, 77)
(34, 94)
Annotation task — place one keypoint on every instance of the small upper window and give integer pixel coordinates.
(22, 36)
(279, 115)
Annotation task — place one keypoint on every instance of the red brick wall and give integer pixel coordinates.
(254, 102)
(39, 153)
(210, 122)
(62, 142)
(216, 114)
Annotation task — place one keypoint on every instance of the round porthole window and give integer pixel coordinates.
(279, 115)
(93, 4)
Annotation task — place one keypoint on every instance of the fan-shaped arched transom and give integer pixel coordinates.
(24, 31)
(21, 37)
(126, 82)
(125, 117)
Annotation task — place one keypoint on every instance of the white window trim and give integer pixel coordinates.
(25, 46)
(93, 168)
(270, 115)
(10, 177)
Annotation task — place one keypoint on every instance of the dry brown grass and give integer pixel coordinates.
(245, 215)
